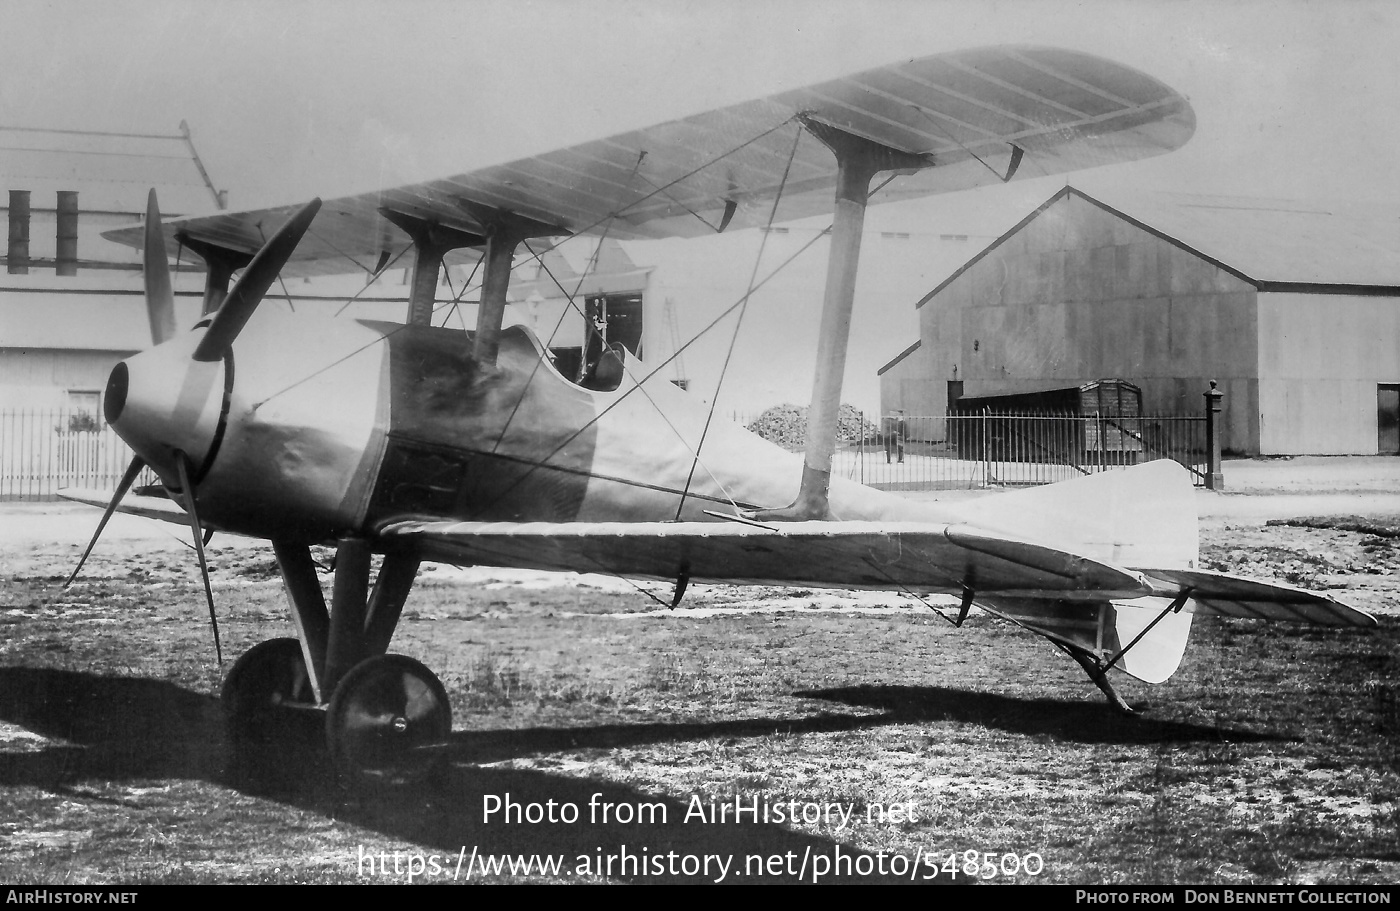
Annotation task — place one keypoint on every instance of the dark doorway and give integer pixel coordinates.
(1388, 419)
(617, 319)
(614, 321)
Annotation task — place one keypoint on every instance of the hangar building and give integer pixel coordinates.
(71, 301)
(1293, 307)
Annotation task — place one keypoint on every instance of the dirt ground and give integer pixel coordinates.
(1273, 756)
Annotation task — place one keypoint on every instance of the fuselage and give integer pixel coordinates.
(311, 429)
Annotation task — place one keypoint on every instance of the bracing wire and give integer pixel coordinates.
(343, 254)
(738, 323)
(637, 385)
(287, 295)
(387, 266)
(592, 264)
(457, 298)
(677, 353)
(661, 366)
(942, 129)
(606, 218)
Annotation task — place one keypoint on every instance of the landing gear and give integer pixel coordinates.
(387, 717)
(387, 722)
(263, 685)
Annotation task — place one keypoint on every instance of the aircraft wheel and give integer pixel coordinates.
(267, 676)
(388, 720)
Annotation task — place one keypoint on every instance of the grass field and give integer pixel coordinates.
(899, 742)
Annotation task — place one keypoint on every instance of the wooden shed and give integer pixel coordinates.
(1099, 421)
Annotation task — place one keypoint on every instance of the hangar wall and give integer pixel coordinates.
(1322, 358)
(905, 385)
(56, 370)
(1076, 293)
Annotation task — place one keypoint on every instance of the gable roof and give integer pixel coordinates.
(575, 270)
(110, 171)
(1274, 244)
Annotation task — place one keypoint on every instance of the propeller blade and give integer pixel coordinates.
(187, 491)
(248, 292)
(123, 486)
(160, 299)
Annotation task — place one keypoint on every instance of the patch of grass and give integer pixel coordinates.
(1380, 526)
(1270, 758)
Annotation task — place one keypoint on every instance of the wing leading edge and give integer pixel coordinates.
(972, 112)
(148, 507)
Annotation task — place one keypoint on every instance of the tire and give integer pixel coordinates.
(260, 683)
(387, 724)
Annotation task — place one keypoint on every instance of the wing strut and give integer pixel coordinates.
(431, 242)
(858, 160)
(220, 264)
(503, 231)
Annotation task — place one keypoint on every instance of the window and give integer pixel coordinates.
(84, 408)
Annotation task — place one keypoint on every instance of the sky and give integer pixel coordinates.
(297, 98)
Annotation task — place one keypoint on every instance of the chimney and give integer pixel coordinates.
(66, 257)
(18, 250)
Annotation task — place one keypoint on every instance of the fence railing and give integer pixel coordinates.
(923, 452)
(42, 451)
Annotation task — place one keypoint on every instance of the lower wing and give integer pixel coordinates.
(151, 507)
(1136, 620)
(912, 557)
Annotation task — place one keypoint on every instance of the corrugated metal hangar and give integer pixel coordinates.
(1292, 307)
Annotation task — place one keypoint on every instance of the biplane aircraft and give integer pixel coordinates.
(422, 443)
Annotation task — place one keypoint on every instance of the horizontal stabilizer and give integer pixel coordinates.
(1235, 596)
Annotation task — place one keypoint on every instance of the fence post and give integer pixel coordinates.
(1215, 480)
(986, 448)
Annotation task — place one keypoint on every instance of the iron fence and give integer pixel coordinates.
(1007, 449)
(42, 451)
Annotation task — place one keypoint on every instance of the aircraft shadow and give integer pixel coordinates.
(122, 728)
(1073, 721)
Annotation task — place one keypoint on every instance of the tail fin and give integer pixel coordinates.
(1140, 516)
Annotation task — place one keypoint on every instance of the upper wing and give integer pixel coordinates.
(1064, 110)
(915, 557)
